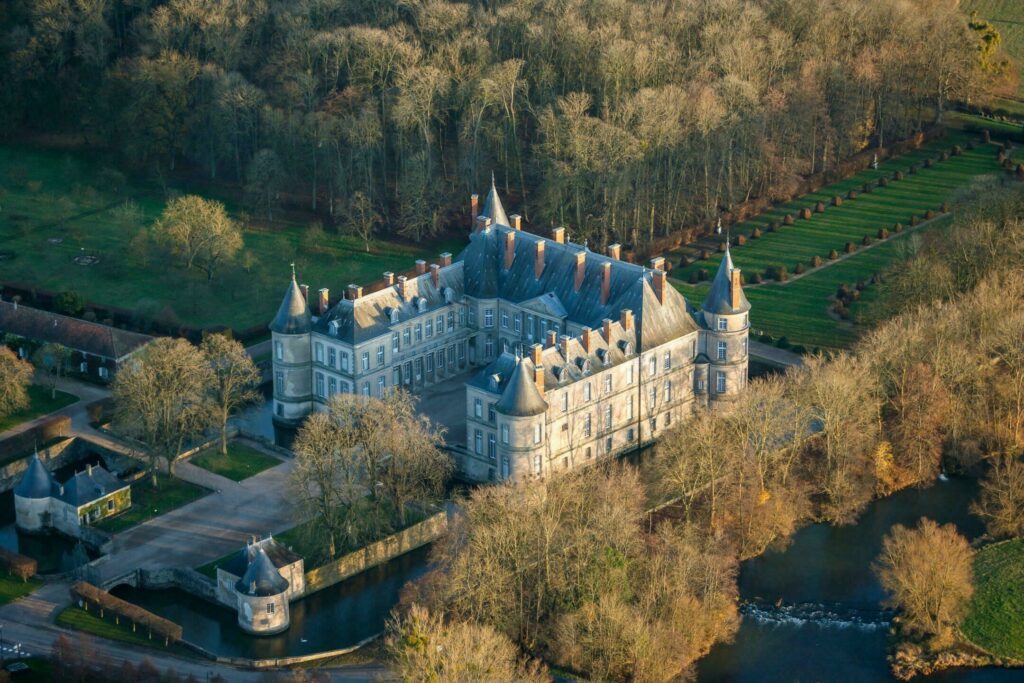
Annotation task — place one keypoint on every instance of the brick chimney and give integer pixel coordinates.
(446, 259)
(659, 285)
(401, 286)
(435, 274)
(614, 251)
(658, 263)
(538, 258)
(510, 249)
(626, 318)
(538, 367)
(551, 339)
(735, 288)
(482, 222)
(606, 330)
(323, 300)
(517, 221)
(305, 291)
(558, 235)
(474, 205)
(421, 266)
(586, 338)
(606, 282)
(581, 262)
(563, 346)
(354, 292)
(389, 278)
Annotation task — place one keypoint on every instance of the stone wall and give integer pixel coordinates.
(188, 580)
(57, 455)
(377, 553)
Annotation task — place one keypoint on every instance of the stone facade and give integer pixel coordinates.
(612, 353)
(42, 505)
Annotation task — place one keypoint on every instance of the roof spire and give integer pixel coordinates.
(293, 271)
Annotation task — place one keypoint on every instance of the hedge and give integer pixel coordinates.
(90, 594)
(18, 565)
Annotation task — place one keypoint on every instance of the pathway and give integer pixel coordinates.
(774, 356)
(86, 393)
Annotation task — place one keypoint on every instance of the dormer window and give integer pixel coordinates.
(421, 305)
(332, 328)
(449, 295)
(604, 356)
(584, 365)
(627, 347)
(392, 314)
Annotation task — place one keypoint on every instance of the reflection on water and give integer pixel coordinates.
(52, 552)
(813, 613)
(333, 618)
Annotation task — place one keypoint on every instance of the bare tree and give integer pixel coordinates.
(52, 360)
(362, 218)
(236, 380)
(928, 573)
(15, 376)
(1001, 501)
(200, 232)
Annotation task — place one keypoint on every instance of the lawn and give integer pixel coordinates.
(91, 622)
(1008, 18)
(996, 618)
(240, 463)
(171, 493)
(40, 403)
(12, 588)
(799, 309)
(60, 205)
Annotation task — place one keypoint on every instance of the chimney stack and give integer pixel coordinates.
(389, 278)
(558, 235)
(435, 274)
(510, 249)
(585, 338)
(446, 259)
(401, 286)
(482, 222)
(538, 259)
(581, 261)
(517, 221)
(551, 339)
(614, 251)
(354, 292)
(323, 300)
(734, 288)
(626, 318)
(421, 266)
(659, 285)
(474, 201)
(606, 330)
(606, 282)
(305, 292)
(658, 263)
(563, 346)
(538, 367)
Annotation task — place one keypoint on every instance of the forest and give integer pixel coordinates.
(623, 120)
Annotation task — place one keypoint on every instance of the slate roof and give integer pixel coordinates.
(279, 555)
(78, 335)
(89, 485)
(493, 208)
(261, 578)
(520, 397)
(718, 299)
(37, 482)
(293, 316)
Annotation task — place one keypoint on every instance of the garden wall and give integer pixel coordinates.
(427, 531)
(23, 443)
(57, 455)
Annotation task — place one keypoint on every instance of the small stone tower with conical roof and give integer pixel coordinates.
(292, 357)
(262, 597)
(32, 498)
(520, 416)
(726, 316)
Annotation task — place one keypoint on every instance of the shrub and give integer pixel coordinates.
(929, 214)
(914, 220)
(843, 291)
(837, 201)
(944, 156)
(799, 269)
(867, 240)
(883, 234)
(766, 338)
(855, 295)
(799, 348)
(957, 151)
(898, 175)
(805, 213)
(860, 286)
(755, 234)
(944, 208)
(1020, 169)
(912, 170)
(1001, 157)
(781, 273)
(694, 278)
(783, 343)
(866, 188)
(702, 274)
(883, 182)
(815, 261)
(850, 247)
(722, 246)
(986, 136)
(897, 228)
(833, 255)
(68, 303)
(789, 220)
(774, 226)
(758, 279)
(819, 207)
(705, 254)
(740, 240)
(929, 162)
(970, 144)
(852, 194)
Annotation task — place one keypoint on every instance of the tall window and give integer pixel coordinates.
(668, 360)
(586, 426)
(586, 391)
(279, 382)
(744, 347)
(504, 320)
(693, 348)
(440, 324)
(451, 320)
(395, 345)
(344, 361)
(318, 350)
(565, 402)
(380, 386)
(332, 356)
(720, 379)
(472, 316)
(529, 327)
(518, 323)
(608, 417)
(629, 408)
(488, 348)
(478, 408)
(407, 336)
(488, 317)
(478, 442)
(492, 447)
(504, 434)
(419, 332)
(722, 350)
(366, 388)
(279, 350)
(366, 360)
(537, 433)
(723, 323)
(668, 391)
(652, 366)
(332, 386)
(629, 374)
(608, 383)
(380, 356)
(430, 328)
(654, 397)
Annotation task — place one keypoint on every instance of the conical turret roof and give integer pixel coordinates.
(37, 482)
(261, 578)
(521, 397)
(293, 315)
(493, 208)
(718, 299)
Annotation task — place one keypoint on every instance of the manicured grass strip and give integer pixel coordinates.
(240, 463)
(996, 618)
(40, 403)
(90, 622)
(12, 588)
(147, 502)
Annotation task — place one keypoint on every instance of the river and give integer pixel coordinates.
(812, 612)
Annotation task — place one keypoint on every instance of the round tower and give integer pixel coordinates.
(727, 318)
(262, 597)
(520, 416)
(292, 358)
(32, 498)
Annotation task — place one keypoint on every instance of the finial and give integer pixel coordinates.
(293, 270)
(492, 178)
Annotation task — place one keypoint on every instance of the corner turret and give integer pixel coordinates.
(726, 312)
(292, 357)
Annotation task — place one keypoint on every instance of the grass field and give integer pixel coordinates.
(1008, 18)
(240, 463)
(799, 310)
(91, 622)
(996, 618)
(40, 403)
(147, 502)
(12, 588)
(59, 205)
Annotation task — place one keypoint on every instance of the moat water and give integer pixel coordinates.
(813, 611)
